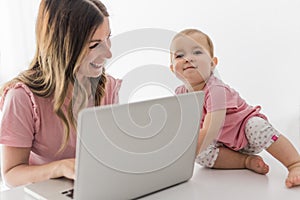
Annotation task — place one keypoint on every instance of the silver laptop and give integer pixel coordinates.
(131, 150)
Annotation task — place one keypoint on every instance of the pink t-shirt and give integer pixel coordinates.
(220, 96)
(29, 121)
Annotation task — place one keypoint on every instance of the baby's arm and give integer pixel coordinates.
(17, 171)
(212, 124)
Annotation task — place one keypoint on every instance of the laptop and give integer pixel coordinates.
(131, 150)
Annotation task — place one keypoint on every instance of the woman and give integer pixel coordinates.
(40, 106)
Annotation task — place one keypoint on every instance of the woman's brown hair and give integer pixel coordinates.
(63, 31)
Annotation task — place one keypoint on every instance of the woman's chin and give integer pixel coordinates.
(95, 73)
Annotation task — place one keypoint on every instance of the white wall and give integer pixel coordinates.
(257, 43)
(17, 42)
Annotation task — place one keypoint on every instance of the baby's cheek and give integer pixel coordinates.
(179, 75)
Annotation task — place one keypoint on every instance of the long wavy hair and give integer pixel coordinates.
(63, 31)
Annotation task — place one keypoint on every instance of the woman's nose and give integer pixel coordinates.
(107, 51)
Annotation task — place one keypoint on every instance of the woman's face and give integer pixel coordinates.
(99, 50)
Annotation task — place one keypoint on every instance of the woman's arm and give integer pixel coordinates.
(212, 124)
(17, 171)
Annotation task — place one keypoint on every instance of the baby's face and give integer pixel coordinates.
(191, 60)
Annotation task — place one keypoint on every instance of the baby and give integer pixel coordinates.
(232, 132)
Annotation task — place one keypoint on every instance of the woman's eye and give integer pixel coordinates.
(94, 46)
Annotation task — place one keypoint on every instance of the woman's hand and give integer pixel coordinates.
(67, 168)
(17, 171)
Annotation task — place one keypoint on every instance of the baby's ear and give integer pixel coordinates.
(214, 62)
(171, 68)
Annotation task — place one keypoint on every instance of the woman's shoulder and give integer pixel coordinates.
(112, 81)
(112, 84)
(19, 96)
(17, 91)
(112, 88)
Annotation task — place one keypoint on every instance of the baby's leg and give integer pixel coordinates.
(286, 153)
(224, 158)
(235, 160)
(261, 135)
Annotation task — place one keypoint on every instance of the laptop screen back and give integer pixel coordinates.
(126, 151)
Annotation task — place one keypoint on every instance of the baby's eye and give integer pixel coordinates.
(197, 52)
(178, 55)
(94, 46)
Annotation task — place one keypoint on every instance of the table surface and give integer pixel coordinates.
(215, 184)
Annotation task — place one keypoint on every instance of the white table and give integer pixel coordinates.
(214, 185)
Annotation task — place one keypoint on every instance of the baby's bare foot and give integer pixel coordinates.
(293, 178)
(256, 164)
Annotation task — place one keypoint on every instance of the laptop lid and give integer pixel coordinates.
(127, 151)
(130, 150)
